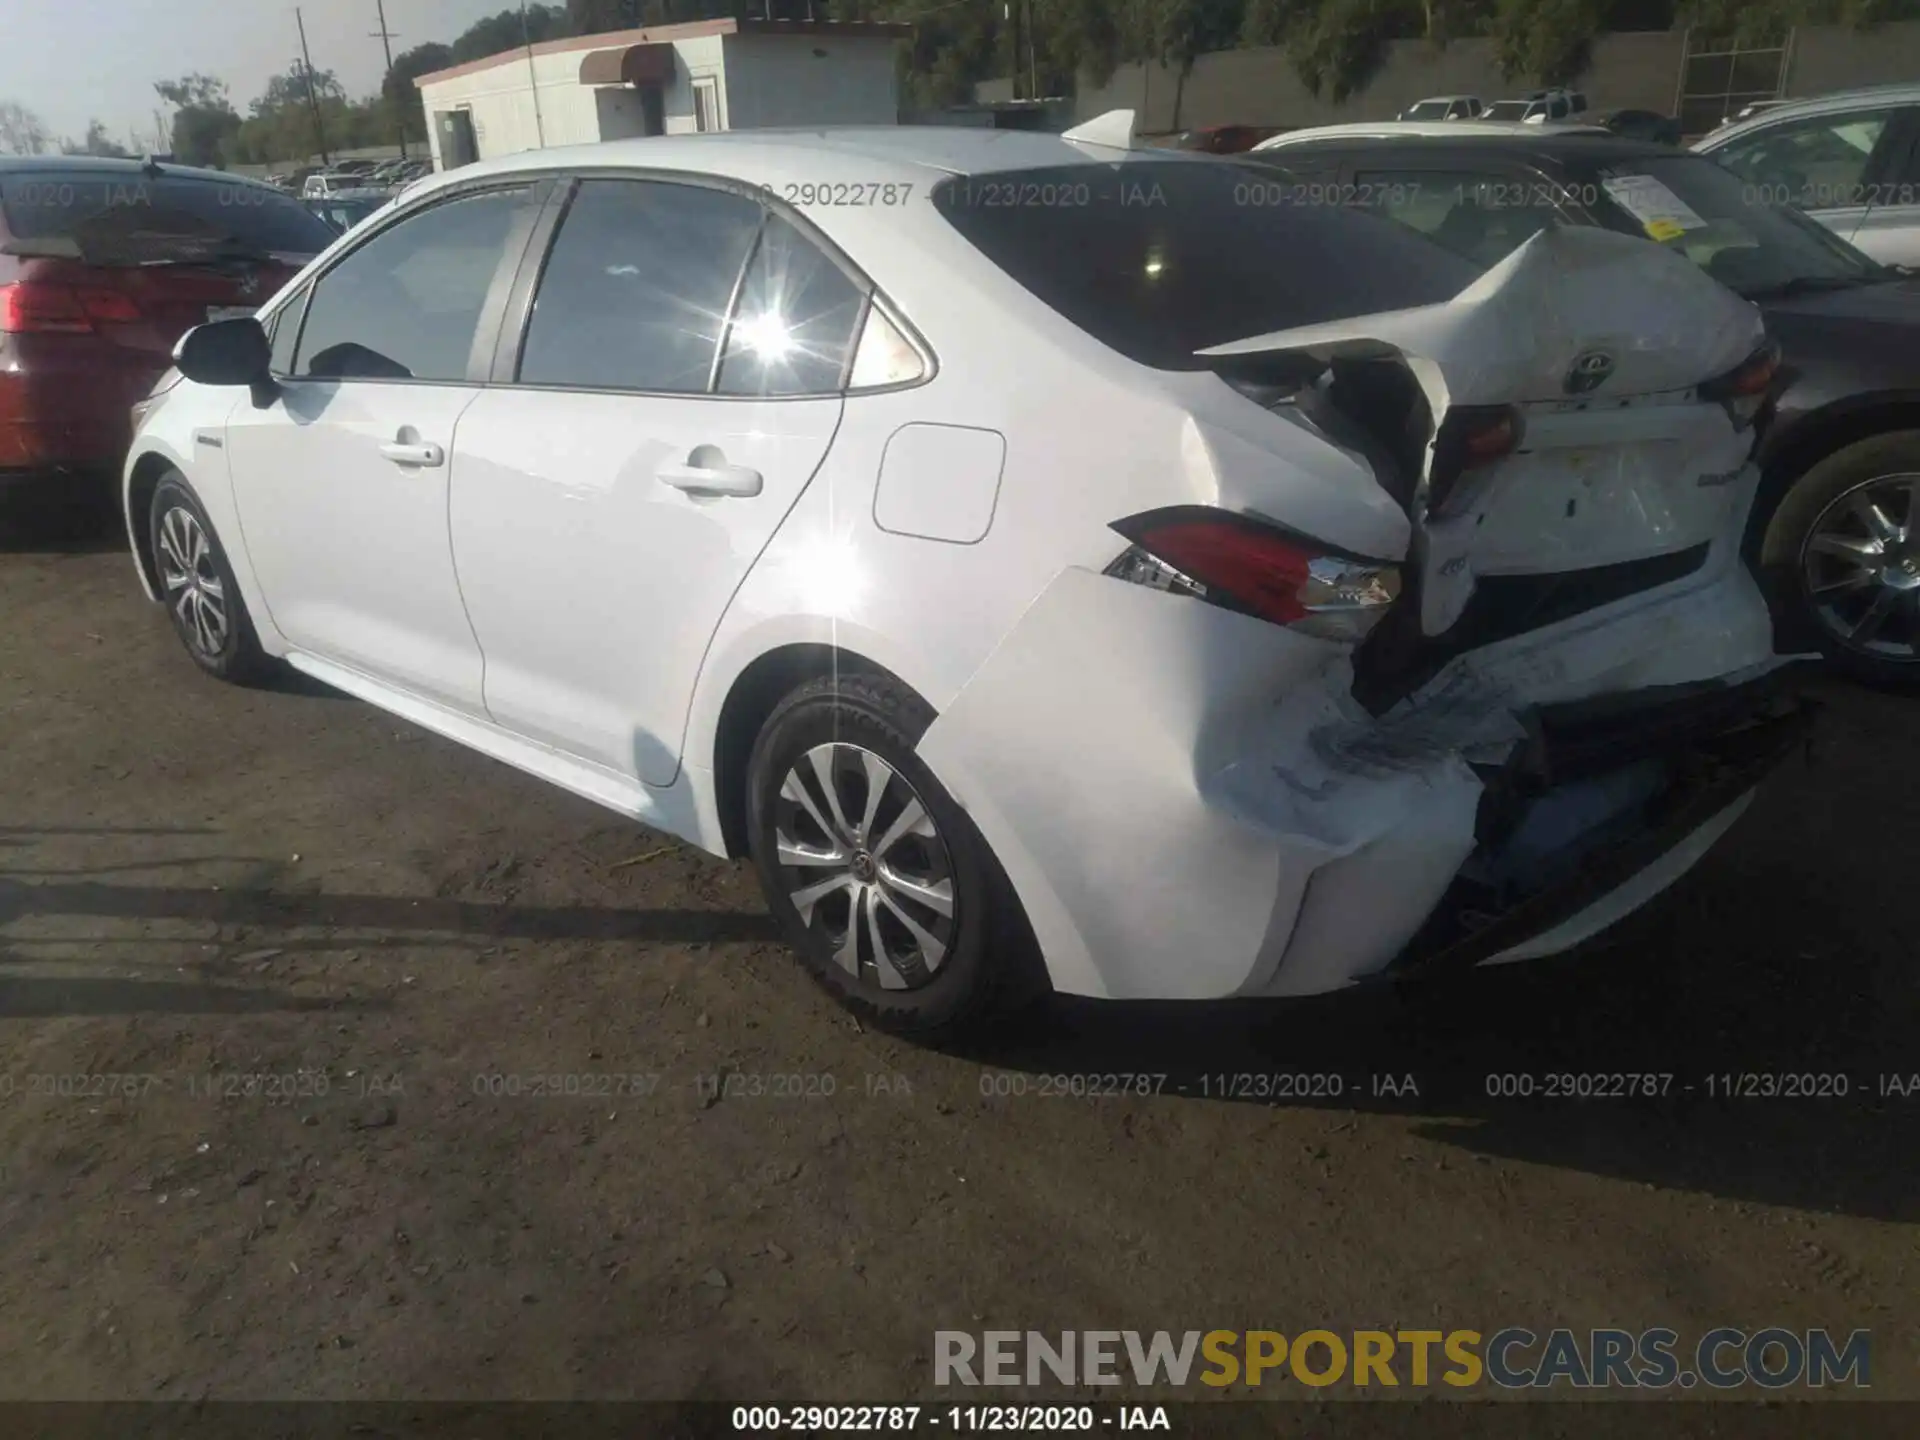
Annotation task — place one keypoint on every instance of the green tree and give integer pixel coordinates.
(95, 142)
(21, 131)
(408, 66)
(204, 120)
(506, 31)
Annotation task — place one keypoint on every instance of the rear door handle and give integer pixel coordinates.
(402, 453)
(718, 478)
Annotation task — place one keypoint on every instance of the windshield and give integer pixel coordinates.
(120, 208)
(1428, 110)
(1721, 223)
(1509, 110)
(1159, 258)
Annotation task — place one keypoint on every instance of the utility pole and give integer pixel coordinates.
(313, 101)
(386, 38)
(533, 77)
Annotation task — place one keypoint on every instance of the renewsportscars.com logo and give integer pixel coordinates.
(1514, 1358)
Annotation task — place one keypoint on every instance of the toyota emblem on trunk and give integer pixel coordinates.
(1590, 371)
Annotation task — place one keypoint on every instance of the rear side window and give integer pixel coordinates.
(637, 287)
(1159, 258)
(406, 305)
(110, 212)
(795, 320)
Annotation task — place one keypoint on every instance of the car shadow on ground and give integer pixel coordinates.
(49, 520)
(1653, 1047)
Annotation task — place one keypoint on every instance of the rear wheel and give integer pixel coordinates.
(882, 884)
(1841, 555)
(198, 588)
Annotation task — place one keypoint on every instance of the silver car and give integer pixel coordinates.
(1846, 159)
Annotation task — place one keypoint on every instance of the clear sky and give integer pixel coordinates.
(72, 60)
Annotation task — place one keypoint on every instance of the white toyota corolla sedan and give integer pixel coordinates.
(1047, 559)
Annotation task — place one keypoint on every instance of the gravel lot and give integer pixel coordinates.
(198, 881)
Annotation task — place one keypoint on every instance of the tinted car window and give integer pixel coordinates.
(795, 321)
(1481, 216)
(1159, 259)
(1726, 226)
(1816, 163)
(405, 305)
(636, 289)
(112, 208)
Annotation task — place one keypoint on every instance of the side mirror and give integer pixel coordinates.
(225, 352)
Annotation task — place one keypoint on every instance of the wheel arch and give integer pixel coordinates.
(1813, 437)
(755, 691)
(143, 478)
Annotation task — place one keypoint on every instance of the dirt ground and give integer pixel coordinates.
(198, 881)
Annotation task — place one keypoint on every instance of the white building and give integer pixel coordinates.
(672, 79)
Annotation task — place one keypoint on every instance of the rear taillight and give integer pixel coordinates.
(35, 307)
(1745, 389)
(1257, 569)
(1470, 438)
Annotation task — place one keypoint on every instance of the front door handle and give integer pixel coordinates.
(407, 448)
(413, 454)
(706, 472)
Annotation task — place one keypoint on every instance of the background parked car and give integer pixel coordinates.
(1648, 125)
(1225, 139)
(349, 207)
(1539, 106)
(104, 264)
(1836, 527)
(1851, 160)
(330, 182)
(1445, 107)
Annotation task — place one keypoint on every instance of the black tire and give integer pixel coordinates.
(989, 959)
(1807, 507)
(235, 656)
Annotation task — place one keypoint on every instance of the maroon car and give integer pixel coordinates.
(104, 264)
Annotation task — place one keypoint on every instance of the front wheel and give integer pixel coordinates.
(1841, 556)
(197, 586)
(882, 884)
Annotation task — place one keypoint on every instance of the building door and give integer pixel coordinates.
(706, 105)
(457, 143)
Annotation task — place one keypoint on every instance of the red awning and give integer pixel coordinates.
(628, 65)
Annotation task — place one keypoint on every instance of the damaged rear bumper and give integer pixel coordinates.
(1709, 746)
(1190, 804)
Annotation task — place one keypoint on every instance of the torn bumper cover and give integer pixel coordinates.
(1191, 805)
(1686, 759)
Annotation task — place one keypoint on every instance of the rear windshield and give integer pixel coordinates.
(1160, 258)
(54, 204)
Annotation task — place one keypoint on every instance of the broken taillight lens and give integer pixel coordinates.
(1258, 569)
(1745, 389)
(1471, 437)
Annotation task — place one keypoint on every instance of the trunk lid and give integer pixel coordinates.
(1598, 344)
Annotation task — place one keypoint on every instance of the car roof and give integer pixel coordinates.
(108, 166)
(1866, 97)
(1558, 143)
(1442, 99)
(1438, 129)
(898, 152)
